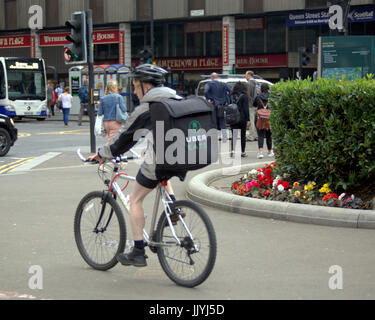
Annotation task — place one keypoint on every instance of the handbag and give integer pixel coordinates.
(99, 129)
(263, 117)
(121, 116)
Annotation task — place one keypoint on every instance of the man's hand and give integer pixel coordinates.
(95, 158)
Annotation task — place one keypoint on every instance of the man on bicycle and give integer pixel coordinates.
(148, 83)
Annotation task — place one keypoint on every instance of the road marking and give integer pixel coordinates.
(23, 134)
(77, 132)
(8, 167)
(33, 162)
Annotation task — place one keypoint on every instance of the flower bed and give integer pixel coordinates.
(268, 184)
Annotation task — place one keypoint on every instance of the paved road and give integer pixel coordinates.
(257, 258)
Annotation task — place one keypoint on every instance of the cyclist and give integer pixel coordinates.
(148, 83)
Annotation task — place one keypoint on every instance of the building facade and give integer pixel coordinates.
(191, 37)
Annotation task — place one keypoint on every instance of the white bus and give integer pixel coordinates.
(23, 90)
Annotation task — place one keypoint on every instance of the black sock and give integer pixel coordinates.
(173, 198)
(139, 244)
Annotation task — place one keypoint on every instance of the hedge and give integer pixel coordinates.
(324, 131)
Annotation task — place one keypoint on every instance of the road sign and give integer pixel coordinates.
(67, 57)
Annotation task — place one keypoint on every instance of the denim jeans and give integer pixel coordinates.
(66, 115)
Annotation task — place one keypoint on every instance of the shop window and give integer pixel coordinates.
(140, 38)
(370, 28)
(52, 13)
(214, 44)
(159, 40)
(10, 14)
(296, 38)
(143, 9)
(357, 28)
(240, 43)
(194, 44)
(106, 52)
(176, 40)
(276, 34)
(254, 41)
(310, 4)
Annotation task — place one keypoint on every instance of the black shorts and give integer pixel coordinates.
(146, 182)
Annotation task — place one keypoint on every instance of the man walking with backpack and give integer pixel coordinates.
(218, 93)
(84, 98)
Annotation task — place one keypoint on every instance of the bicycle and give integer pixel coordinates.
(186, 250)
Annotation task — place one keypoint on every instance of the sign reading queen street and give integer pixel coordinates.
(316, 17)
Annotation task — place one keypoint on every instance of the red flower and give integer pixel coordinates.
(285, 184)
(266, 193)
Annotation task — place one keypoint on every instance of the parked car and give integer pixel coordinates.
(8, 134)
(231, 80)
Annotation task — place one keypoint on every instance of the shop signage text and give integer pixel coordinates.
(99, 37)
(15, 41)
(265, 61)
(316, 17)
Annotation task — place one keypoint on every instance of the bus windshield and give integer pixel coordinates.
(25, 80)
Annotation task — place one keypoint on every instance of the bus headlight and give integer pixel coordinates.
(44, 106)
(10, 108)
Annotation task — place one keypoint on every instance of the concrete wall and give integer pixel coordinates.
(170, 9)
(282, 5)
(223, 7)
(119, 11)
(66, 7)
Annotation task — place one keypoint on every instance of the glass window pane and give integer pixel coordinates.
(213, 43)
(240, 45)
(276, 34)
(194, 44)
(176, 40)
(254, 41)
(296, 38)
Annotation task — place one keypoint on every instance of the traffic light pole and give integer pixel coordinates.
(90, 62)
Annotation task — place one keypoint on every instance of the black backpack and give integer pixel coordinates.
(232, 114)
(185, 136)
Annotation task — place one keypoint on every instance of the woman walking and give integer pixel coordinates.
(240, 97)
(107, 107)
(67, 101)
(262, 122)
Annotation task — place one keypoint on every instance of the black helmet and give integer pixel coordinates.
(149, 73)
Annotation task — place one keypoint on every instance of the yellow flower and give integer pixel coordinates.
(295, 184)
(297, 193)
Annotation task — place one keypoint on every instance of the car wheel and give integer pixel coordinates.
(5, 142)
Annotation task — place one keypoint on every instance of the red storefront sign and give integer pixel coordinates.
(186, 64)
(99, 37)
(225, 44)
(266, 61)
(19, 41)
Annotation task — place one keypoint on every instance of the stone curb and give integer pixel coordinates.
(199, 191)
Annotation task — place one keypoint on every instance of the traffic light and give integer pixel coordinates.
(78, 49)
(304, 58)
(146, 55)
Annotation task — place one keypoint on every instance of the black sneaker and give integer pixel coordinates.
(135, 258)
(174, 217)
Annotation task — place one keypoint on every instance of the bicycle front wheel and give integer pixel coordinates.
(190, 263)
(99, 230)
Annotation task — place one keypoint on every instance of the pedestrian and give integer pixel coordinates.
(251, 86)
(148, 83)
(50, 98)
(84, 97)
(59, 90)
(54, 98)
(218, 94)
(66, 100)
(107, 107)
(240, 97)
(262, 124)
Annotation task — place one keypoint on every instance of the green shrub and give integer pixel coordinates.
(324, 131)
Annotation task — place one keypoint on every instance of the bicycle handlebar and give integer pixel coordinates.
(115, 160)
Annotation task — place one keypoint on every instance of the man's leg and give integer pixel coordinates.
(80, 114)
(252, 130)
(137, 222)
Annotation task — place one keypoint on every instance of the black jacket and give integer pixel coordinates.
(243, 106)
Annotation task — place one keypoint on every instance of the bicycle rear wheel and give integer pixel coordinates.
(191, 263)
(99, 230)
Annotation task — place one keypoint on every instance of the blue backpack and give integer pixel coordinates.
(83, 94)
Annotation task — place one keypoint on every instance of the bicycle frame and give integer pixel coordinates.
(161, 195)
